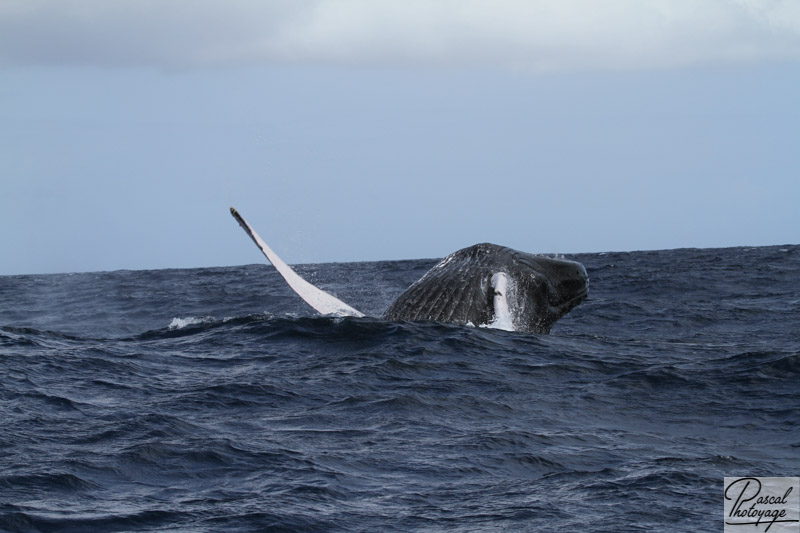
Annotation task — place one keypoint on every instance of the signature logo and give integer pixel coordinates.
(766, 503)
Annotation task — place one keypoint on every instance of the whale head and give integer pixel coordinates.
(547, 288)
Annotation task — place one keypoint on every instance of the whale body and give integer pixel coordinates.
(491, 285)
(482, 285)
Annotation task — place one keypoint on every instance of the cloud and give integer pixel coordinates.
(519, 34)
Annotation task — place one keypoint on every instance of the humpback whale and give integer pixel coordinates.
(482, 285)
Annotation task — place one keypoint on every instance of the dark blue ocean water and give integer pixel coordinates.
(214, 400)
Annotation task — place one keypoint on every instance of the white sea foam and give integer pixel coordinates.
(180, 323)
(502, 322)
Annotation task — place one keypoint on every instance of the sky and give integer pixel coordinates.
(354, 130)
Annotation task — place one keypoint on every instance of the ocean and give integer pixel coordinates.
(214, 399)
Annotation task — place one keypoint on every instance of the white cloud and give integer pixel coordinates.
(524, 34)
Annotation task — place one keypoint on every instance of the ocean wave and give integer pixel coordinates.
(51, 480)
(89, 520)
(213, 400)
(25, 336)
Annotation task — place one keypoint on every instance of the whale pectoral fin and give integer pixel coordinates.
(502, 311)
(320, 300)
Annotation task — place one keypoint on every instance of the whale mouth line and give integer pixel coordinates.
(575, 300)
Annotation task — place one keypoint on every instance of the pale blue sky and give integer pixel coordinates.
(405, 133)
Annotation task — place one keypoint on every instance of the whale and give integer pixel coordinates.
(484, 285)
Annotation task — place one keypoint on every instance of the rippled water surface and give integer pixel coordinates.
(214, 400)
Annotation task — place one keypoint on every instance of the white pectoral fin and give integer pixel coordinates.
(502, 312)
(320, 300)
